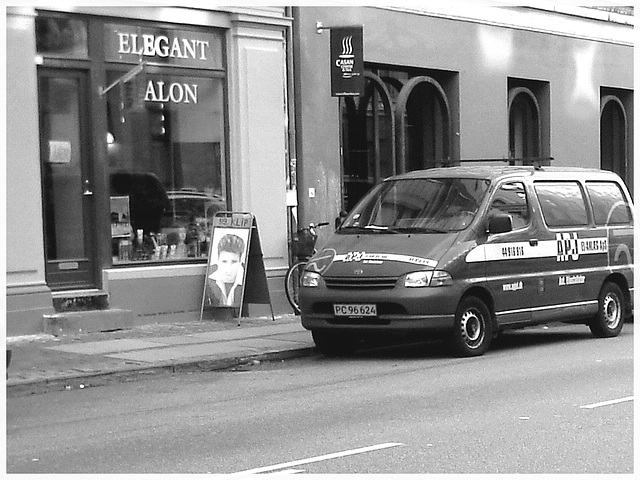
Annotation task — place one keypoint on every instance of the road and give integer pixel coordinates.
(542, 400)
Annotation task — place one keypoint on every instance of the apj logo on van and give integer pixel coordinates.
(567, 246)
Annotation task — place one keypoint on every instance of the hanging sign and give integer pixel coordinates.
(347, 63)
(235, 270)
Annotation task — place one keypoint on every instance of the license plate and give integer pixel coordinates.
(355, 310)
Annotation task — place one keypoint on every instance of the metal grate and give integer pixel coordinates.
(360, 282)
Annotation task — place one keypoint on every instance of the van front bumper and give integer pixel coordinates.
(413, 323)
(398, 309)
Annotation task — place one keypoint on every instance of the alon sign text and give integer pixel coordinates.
(173, 92)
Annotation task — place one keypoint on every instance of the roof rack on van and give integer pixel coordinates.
(536, 162)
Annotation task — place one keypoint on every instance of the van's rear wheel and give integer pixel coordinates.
(333, 343)
(610, 317)
(472, 329)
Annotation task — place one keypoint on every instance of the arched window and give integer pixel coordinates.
(422, 125)
(368, 139)
(401, 123)
(613, 138)
(524, 125)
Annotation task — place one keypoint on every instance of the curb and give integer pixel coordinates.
(17, 388)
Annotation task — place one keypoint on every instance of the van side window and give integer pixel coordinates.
(511, 198)
(609, 204)
(562, 204)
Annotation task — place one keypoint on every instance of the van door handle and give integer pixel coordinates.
(533, 242)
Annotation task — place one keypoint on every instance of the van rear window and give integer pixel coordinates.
(562, 204)
(608, 203)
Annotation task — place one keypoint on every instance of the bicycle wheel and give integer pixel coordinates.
(292, 285)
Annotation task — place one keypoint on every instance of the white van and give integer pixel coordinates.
(473, 250)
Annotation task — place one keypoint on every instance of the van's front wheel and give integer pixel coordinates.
(610, 317)
(472, 329)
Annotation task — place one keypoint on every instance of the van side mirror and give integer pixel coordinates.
(341, 216)
(500, 223)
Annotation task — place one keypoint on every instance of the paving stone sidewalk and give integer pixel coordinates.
(42, 363)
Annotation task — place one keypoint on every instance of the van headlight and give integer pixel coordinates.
(431, 278)
(310, 279)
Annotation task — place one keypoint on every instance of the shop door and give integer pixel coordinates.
(67, 186)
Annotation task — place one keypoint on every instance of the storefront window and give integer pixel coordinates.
(61, 36)
(166, 165)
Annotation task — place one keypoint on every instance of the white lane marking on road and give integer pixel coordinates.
(280, 473)
(608, 402)
(320, 458)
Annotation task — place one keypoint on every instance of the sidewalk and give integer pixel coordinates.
(42, 363)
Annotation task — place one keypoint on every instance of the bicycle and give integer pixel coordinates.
(303, 247)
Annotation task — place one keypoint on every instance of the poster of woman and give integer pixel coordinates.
(226, 270)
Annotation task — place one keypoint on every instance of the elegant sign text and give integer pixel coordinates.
(179, 48)
(149, 45)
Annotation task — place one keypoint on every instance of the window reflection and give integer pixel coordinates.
(562, 204)
(61, 36)
(166, 159)
(608, 203)
(437, 205)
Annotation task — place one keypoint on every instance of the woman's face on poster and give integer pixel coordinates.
(228, 265)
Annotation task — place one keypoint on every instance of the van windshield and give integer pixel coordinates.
(421, 205)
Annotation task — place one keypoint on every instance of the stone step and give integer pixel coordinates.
(87, 321)
(80, 300)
